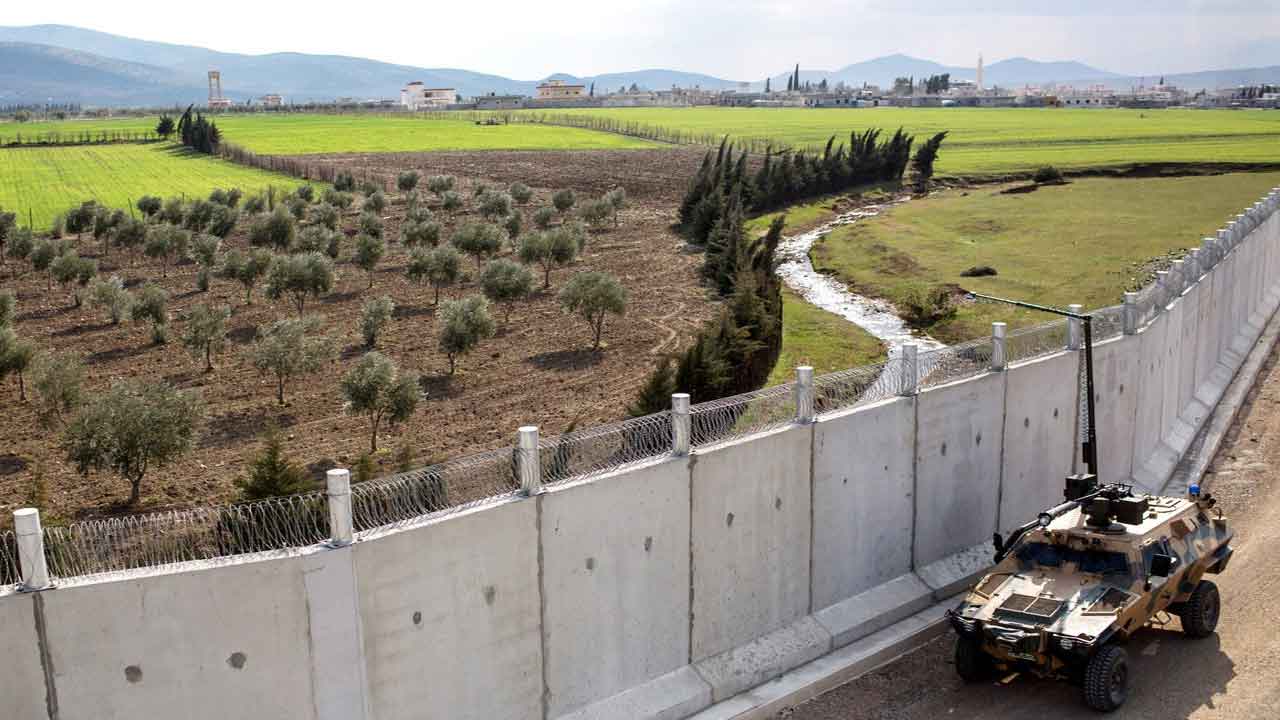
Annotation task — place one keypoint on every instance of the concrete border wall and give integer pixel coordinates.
(655, 590)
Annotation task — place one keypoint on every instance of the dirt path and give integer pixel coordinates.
(1235, 674)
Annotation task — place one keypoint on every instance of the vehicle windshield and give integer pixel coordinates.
(1089, 561)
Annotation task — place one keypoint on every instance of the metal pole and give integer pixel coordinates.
(338, 490)
(530, 462)
(30, 536)
(1179, 275)
(910, 380)
(1073, 327)
(1091, 430)
(681, 425)
(1131, 313)
(999, 350)
(804, 394)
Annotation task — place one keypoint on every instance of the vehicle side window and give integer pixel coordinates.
(1159, 547)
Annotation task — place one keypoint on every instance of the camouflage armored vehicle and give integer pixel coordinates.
(1069, 588)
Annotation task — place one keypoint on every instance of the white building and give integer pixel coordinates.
(416, 96)
(559, 90)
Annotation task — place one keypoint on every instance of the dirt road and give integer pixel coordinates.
(1235, 674)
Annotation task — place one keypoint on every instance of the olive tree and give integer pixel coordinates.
(8, 308)
(548, 249)
(464, 323)
(440, 267)
(451, 201)
(130, 235)
(543, 217)
(407, 180)
(20, 245)
(111, 296)
(563, 200)
(222, 221)
(592, 296)
(131, 428)
(595, 212)
(375, 203)
(204, 251)
(58, 379)
(165, 242)
(495, 205)
(440, 184)
(617, 199)
(16, 354)
(479, 240)
(326, 215)
(246, 268)
(73, 271)
(152, 305)
(374, 315)
(414, 233)
(313, 238)
(287, 348)
(370, 224)
(339, 199)
(276, 230)
(149, 205)
(378, 390)
(520, 192)
(506, 283)
(369, 252)
(206, 332)
(299, 276)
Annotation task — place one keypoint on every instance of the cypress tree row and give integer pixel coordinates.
(198, 133)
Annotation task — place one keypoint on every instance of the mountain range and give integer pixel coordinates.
(68, 64)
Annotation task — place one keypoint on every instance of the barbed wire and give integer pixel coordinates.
(9, 571)
(741, 415)
(858, 386)
(446, 488)
(117, 544)
(594, 451)
(954, 362)
(1036, 340)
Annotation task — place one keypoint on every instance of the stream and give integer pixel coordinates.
(875, 316)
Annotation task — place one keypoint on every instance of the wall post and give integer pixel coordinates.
(910, 378)
(804, 394)
(529, 461)
(1131, 313)
(1075, 328)
(1179, 275)
(999, 348)
(338, 491)
(31, 560)
(681, 425)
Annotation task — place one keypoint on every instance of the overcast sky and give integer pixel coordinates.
(733, 39)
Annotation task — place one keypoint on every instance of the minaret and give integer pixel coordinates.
(979, 73)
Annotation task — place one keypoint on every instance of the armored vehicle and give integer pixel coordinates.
(1070, 587)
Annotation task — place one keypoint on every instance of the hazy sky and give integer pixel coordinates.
(735, 39)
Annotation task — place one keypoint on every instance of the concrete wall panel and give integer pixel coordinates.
(1116, 367)
(959, 428)
(616, 581)
(1040, 443)
(862, 498)
(22, 688)
(225, 642)
(1150, 408)
(1172, 351)
(450, 617)
(1186, 349)
(1207, 330)
(751, 524)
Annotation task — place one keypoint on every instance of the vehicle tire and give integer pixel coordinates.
(1199, 613)
(972, 664)
(1106, 679)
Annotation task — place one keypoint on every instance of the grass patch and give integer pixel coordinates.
(828, 342)
(41, 182)
(302, 134)
(1085, 242)
(993, 141)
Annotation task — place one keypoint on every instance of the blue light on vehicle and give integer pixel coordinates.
(1194, 490)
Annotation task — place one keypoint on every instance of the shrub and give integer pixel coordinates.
(131, 234)
(1048, 174)
(110, 295)
(43, 252)
(152, 305)
(222, 221)
(377, 202)
(369, 251)
(226, 198)
(921, 309)
(296, 206)
(255, 204)
(377, 389)
(165, 242)
(479, 240)
(520, 193)
(375, 314)
(339, 199)
(438, 266)
(563, 200)
(595, 212)
(204, 251)
(306, 193)
(287, 349)
(464, 323)
(8, 308)
(513, 225)
(58, 380)
(451, 201)
(16, 354)
(344, 182)
(979, 271)
(506, 283)
(272, 473)
(149, 205)
(206, 332)
(407, 180)
(73, 271)
(417, 212)
(414, 233)
(617, 199)
(299, 276)
(368, 188)
(19, 246)
(592, 296)
(198, 214)
(543, 217)
(548, 249)
(313, 238)
(326, 215)
(131, 428)
(173, 212)
(370, 224)
(440, 184)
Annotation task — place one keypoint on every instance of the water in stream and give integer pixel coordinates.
(875, 316)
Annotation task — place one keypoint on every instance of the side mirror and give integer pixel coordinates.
(998, 543)
(1161, 565)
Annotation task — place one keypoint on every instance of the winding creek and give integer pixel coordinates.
(877, 317)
